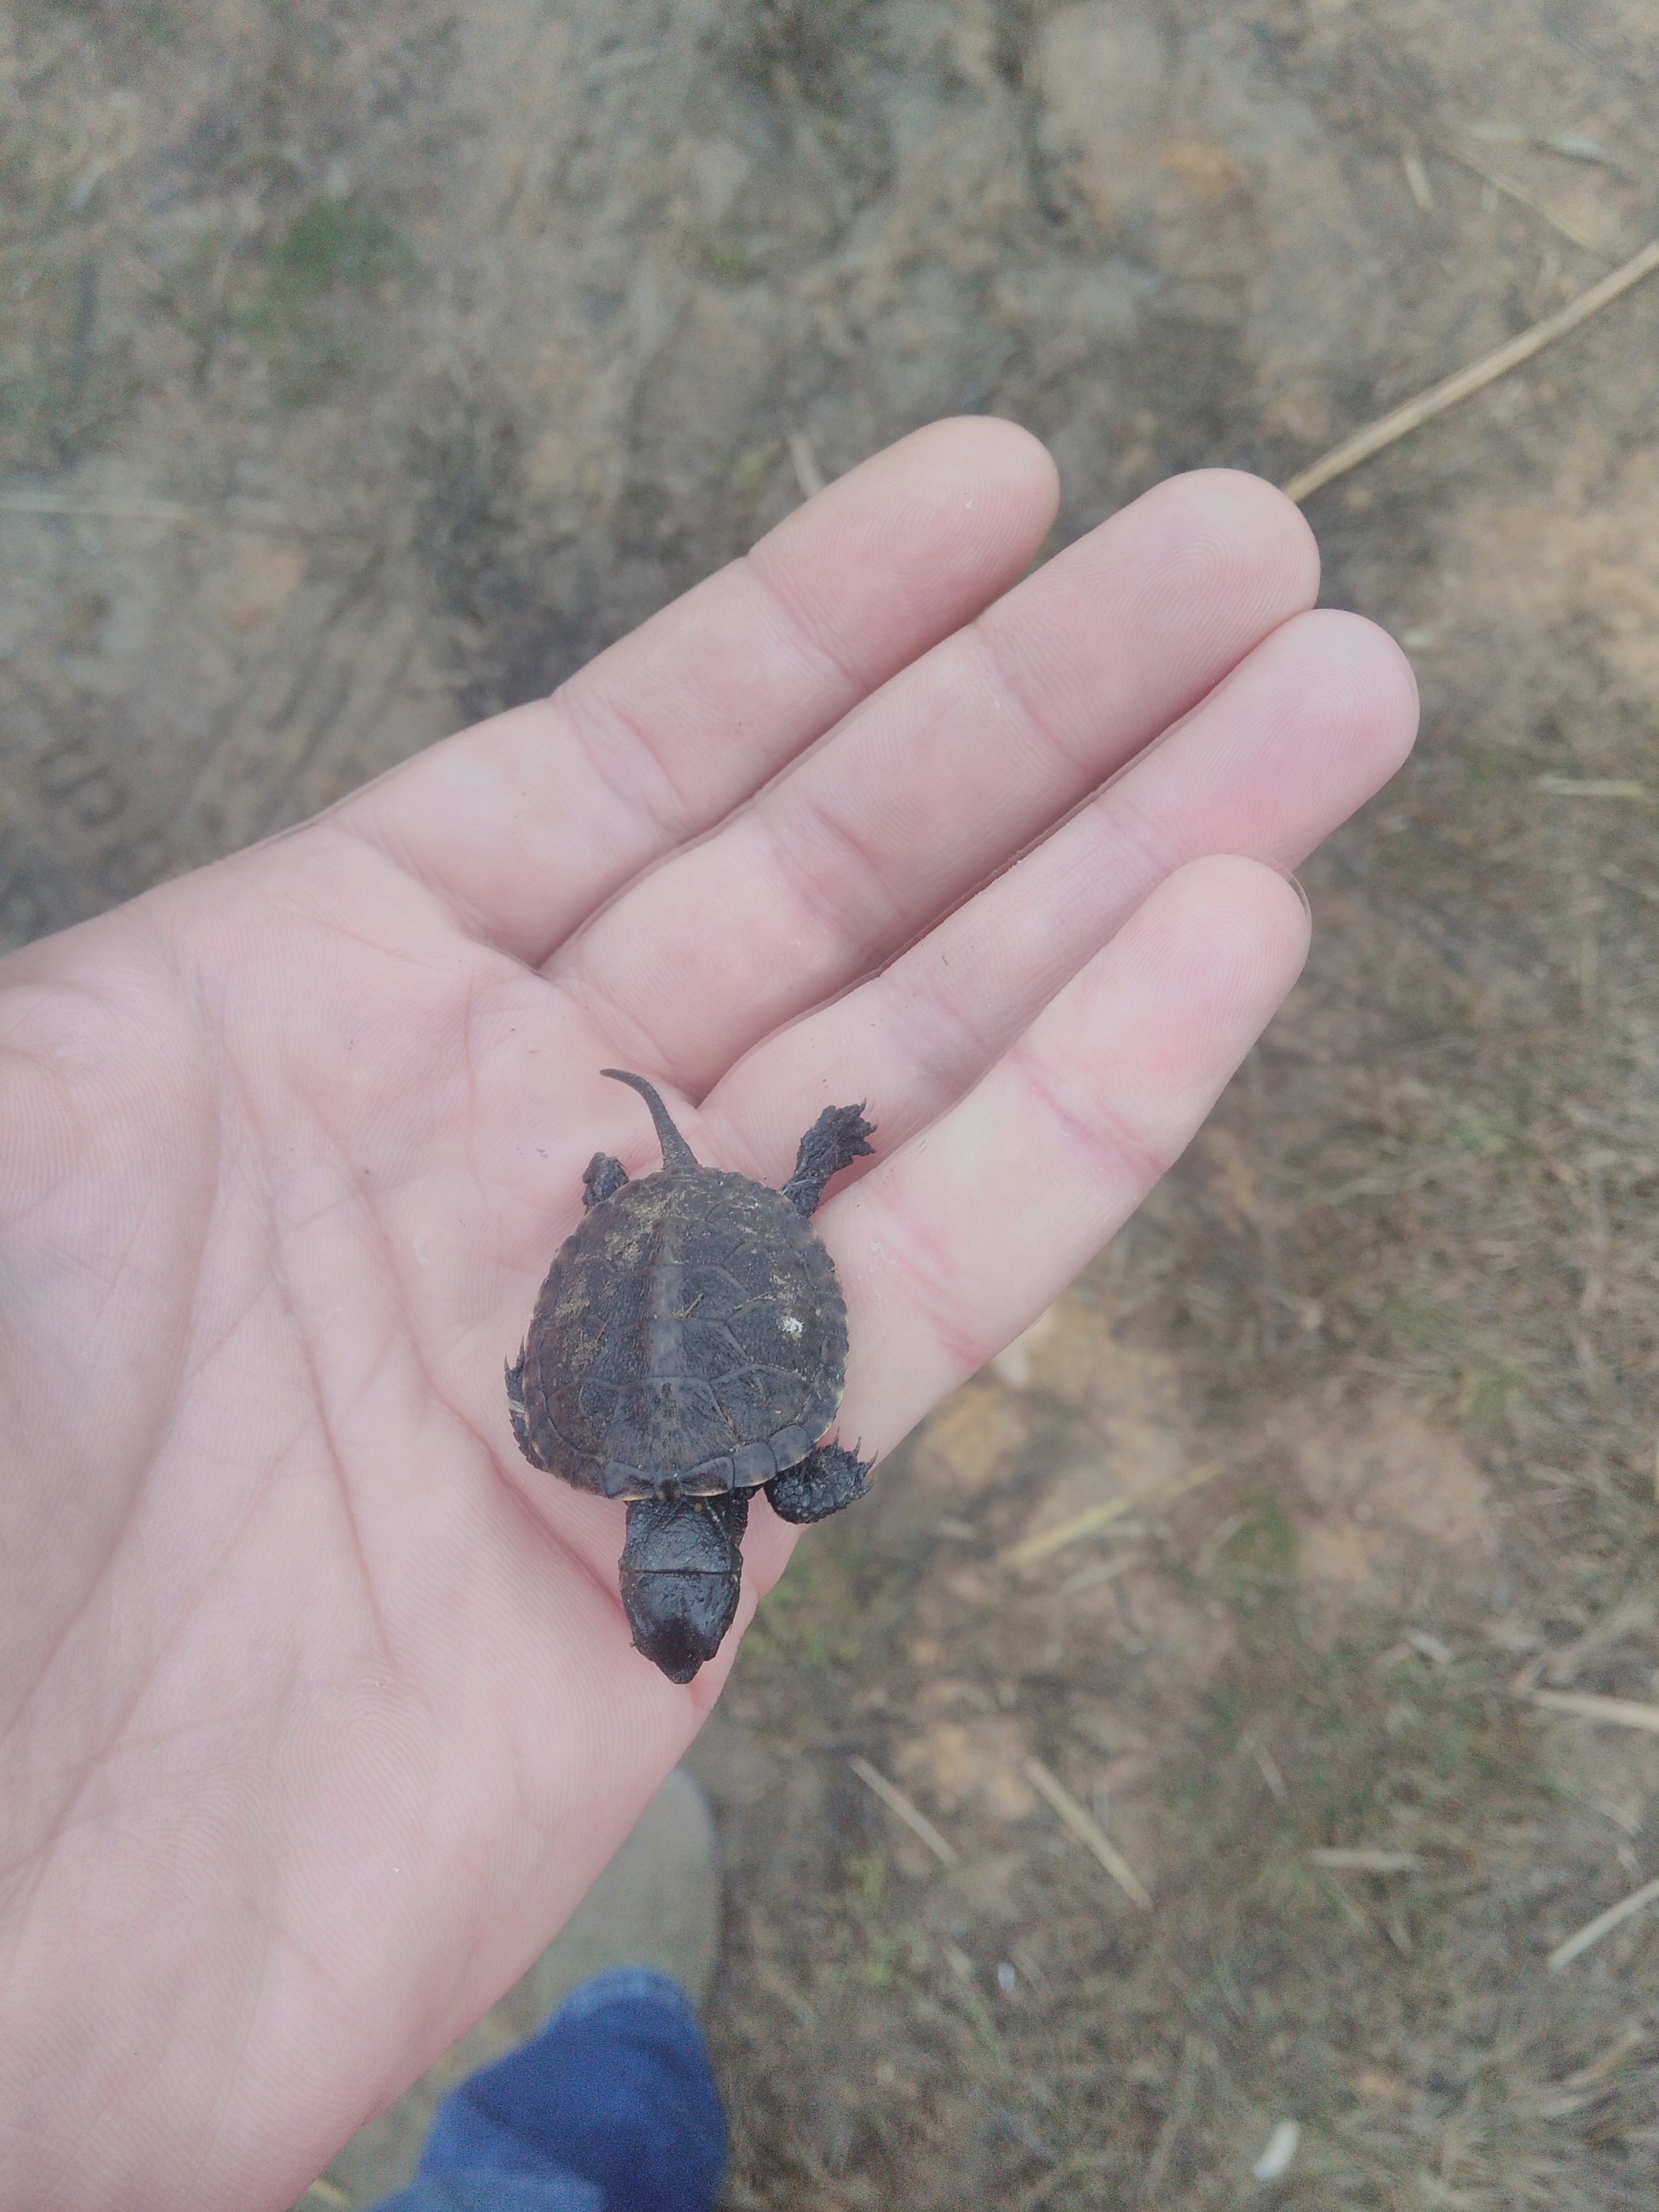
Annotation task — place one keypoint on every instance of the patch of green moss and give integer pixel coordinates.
(310, 287)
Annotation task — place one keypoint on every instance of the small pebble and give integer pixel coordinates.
(1275, 2161)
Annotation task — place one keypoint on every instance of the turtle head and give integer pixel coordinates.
(677, 1156)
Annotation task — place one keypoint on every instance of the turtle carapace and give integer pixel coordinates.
(688, 1347)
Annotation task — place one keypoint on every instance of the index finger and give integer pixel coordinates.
(528, 823)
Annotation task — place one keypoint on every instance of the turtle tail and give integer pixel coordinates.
(675, 1152)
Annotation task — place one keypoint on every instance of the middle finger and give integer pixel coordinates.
(942, 775)
(1302, 733)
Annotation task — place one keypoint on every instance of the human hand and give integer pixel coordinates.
(318, 1708)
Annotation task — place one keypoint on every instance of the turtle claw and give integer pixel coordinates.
(826, 1481)
(835, 1140)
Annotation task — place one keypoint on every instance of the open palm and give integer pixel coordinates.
(319, 1707)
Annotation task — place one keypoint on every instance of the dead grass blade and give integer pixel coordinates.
(1603, 1924)
(1631, 2038)
(1030, 1549)
(1267, 1765)
(102, 510)
(1593, 786)
(895, 1802)
(1089, 1831)
(1193, 2054)
(1041, 2189)
(1401, 421)
(1518, 192)
(804, 459)
(784, 1991)
(1103, 1570)
(1623, 1712)
(1364, 1859)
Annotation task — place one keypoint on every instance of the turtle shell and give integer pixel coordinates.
(690, 1338)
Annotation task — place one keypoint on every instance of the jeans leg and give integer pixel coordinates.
(612, 2107)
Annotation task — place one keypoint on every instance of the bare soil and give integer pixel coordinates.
(368, 366)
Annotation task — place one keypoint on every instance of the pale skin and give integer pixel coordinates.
(316, 1704)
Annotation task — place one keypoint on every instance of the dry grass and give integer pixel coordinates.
(1432, 1189)
(1004, 2029)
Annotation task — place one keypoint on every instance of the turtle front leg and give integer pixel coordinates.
(602, 1178)
(681, 1571)
(835, 1140)
(822, 1483)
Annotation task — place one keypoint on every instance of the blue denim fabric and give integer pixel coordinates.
(611, 2108)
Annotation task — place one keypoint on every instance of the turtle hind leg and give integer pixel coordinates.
(835, 1140)
(825, 1481)
(602, 1178)
(682, 1571)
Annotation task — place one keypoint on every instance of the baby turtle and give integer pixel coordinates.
(689, 1346)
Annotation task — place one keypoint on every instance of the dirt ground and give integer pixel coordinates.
(366, 367)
